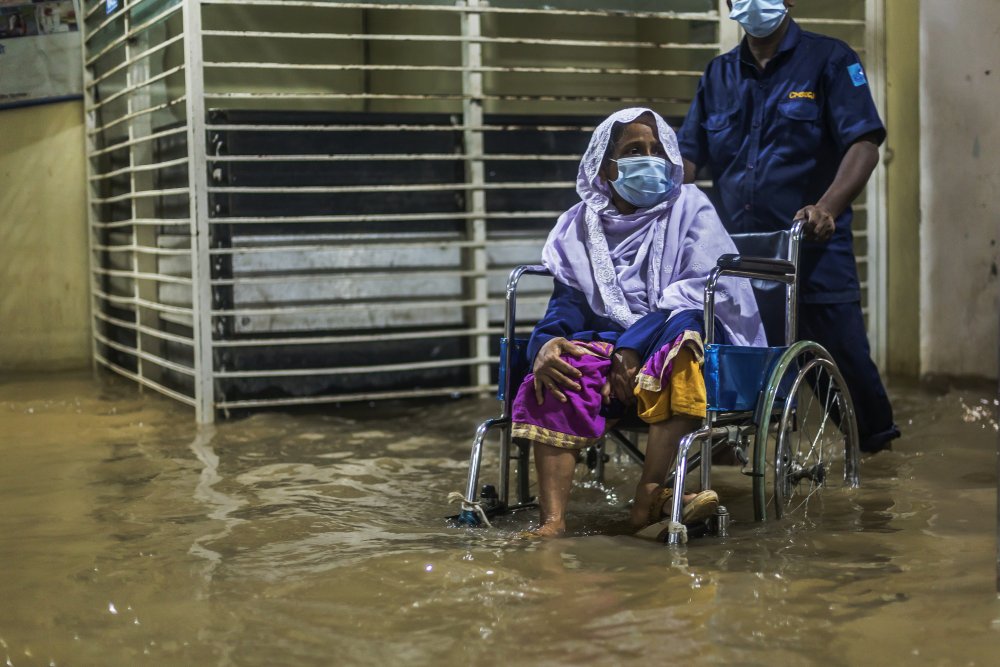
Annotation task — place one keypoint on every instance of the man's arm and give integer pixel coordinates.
(852, 176)
(689, 171)
(691, 135)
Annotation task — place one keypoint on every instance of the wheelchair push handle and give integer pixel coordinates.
(778, 266)
(773, 269)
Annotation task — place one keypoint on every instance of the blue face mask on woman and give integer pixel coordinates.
(759, 18)
(642, 181)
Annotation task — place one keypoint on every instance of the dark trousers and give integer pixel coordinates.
(840, 328)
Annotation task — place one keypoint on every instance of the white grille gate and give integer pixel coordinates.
(303, 202)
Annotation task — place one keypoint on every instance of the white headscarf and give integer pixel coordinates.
(655, 259)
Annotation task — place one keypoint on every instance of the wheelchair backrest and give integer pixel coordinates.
(770, 295)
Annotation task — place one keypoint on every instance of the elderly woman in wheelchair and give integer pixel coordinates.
(624, 329)
(652, 318)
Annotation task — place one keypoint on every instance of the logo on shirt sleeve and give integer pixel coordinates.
(857, 74)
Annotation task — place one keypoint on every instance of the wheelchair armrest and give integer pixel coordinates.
(760, 266)
(755, 268)
(525, 269)
(508, 342)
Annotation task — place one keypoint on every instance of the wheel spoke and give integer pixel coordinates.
(833, 400)
(804, 440)
(826, 416)
(805, 500)
(798, 465)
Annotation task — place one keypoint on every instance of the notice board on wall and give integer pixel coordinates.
(40, 54)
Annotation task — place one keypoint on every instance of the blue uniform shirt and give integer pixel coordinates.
(773, 141)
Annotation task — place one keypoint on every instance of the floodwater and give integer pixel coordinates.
(131, 537)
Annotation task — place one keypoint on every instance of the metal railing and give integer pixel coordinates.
(306, 202)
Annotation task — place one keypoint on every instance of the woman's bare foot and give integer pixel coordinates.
(550, 529)
(644, 495)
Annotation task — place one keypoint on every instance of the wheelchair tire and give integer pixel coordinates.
(807, 434)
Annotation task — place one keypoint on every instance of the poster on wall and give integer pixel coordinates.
(39, 52)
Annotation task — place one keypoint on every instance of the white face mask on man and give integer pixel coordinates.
(759, 18)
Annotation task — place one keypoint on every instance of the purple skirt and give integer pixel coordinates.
(578, 422)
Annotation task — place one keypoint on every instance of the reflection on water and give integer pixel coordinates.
(132, 537)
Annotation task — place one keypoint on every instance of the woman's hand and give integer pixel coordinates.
(621, 379)
(554, 374)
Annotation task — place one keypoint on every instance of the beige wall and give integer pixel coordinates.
(902, 155)
(959, 179)
(44, 298)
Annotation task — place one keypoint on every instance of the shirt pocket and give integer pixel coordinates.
(723, 138)
(802, 126)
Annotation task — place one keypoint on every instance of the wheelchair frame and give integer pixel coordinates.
(720, 428)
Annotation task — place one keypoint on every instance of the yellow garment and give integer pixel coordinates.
(685, 394)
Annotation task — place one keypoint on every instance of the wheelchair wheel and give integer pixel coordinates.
(807, 435)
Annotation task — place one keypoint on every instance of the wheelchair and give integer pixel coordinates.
(783, 411)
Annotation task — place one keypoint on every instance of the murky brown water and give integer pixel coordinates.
(131, 537)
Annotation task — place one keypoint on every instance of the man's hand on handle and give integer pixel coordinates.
(819, 223)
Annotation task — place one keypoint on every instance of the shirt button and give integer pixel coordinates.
(751, 165)
(746, 207)
(756, 123)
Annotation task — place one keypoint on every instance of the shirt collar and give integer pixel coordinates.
(788, 43)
